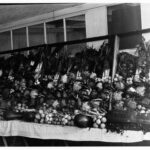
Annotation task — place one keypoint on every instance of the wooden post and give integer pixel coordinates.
(65, 35)
(11, 38)
(116, 51)
(45, 34)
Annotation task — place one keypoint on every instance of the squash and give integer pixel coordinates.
(83, 121)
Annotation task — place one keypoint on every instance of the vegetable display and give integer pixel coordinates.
(50, 86)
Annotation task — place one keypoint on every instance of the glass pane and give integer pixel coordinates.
(124, 18)
(5, 42)
(36, 34)
(19, 38)
(55, 31)
(75, 27)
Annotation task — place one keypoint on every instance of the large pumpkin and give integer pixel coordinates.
(83, 121)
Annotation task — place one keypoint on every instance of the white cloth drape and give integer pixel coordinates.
(45, 131)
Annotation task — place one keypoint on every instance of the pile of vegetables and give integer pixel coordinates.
(49, 86)
(131, 98)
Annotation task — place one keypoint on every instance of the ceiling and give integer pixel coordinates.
(14, 12)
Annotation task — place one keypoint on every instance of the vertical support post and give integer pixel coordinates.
(27, 36)
(11, 39)
(45, 33)
(65, 30)
(4, 141)
(116, 51)
(65, 34)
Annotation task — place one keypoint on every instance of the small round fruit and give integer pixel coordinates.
(50, 115)
(95, 125)
(98, 121)
(99, 116)
(50, 119)
(76, 112)
(142, 111)
(69, 118)
(37, 116)
(41, 111)
(42, 121)
(42, 115)
(66, 116)
(104, 119)
(139, 106)
(102, 126)
(94, 119)
(65, 121)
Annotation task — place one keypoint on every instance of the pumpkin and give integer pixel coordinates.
(83, 121)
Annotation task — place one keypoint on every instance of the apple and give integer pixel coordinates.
(104, 119)
(37, 116)
(95, 125)
(102, 125)
(98, 121)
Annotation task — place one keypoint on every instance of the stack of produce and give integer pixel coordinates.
(131, 99)
(52, 87)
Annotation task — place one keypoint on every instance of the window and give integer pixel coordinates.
(75, 28)
(55, 31)
(5, 41)
(36, 34)
(125, 18)
(19, 38)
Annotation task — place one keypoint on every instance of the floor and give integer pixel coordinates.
(19, 141)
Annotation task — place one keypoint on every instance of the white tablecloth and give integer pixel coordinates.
(45, 131)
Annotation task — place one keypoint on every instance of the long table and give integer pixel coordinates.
(46, 131)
